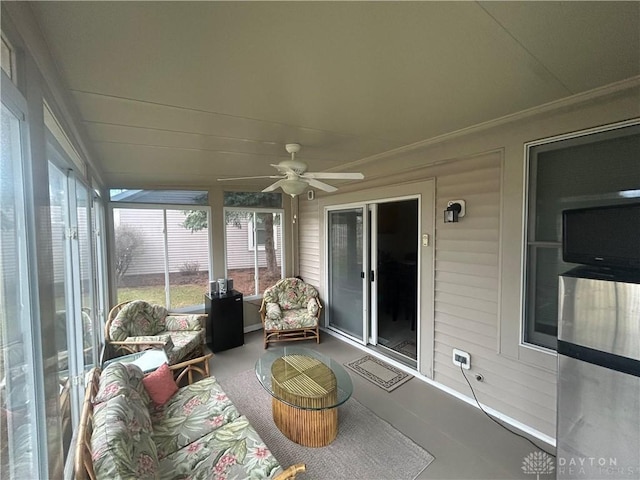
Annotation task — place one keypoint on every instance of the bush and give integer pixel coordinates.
(129, 243)
(190, 267)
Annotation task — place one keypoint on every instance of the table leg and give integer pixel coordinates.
(310, 428)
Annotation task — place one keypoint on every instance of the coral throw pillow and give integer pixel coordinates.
(160, 384)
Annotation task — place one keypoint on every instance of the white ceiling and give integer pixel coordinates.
(182, 93)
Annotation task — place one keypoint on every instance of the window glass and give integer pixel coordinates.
(6, 58)
(253, 269)
(160, 197)
(162, 255)
(591, 170)
(253, 199)
(59, 208)
(17, 396)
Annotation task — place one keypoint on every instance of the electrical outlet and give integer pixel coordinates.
(461, 359)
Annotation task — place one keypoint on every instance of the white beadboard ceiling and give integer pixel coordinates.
(182, 93)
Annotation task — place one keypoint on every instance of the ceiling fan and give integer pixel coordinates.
(294, 179)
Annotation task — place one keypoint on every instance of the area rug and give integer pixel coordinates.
(366, 447)
(381, 373)
(408, 348)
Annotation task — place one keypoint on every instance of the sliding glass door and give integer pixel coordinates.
(372, 266)
(346, 262)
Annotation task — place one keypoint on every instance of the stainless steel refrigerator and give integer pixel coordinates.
(598, 424)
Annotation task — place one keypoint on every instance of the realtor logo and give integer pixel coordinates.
(537, 463)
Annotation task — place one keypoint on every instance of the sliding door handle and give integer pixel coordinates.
(371, 276)
(361, 274)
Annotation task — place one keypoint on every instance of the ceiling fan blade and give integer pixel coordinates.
(320, 185)
(274, 186)
(249, 178)
(334, 176)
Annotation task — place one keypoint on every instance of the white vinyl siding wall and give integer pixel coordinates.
(467, 289)
(190, 246)
(309, 239)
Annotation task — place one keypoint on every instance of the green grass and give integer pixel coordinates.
(181, 295)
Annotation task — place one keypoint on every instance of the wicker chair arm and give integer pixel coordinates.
(199, 366)
(291, 472)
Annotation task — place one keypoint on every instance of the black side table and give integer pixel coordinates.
(225, 326)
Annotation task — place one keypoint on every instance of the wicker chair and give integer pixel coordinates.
(290, 311)
(138, 325)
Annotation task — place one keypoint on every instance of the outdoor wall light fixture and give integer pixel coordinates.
(455, 210)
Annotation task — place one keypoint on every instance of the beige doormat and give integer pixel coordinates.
(381, 373)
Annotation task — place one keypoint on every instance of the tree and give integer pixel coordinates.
(129, 242)
(196, 220)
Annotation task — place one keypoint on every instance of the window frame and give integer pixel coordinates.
(14, 101)
(528, 269)
(163, 208)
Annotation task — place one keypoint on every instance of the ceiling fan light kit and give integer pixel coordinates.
(294, 178)
(293, 187)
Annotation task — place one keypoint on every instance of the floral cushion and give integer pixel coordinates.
(119, 378)
(193, 412)
(121, 443)
(185, 322)
(233, 451)
(292, 319)
(184, 342)
(273, 311)
(165, 339)
(290, 293)
(137, 318)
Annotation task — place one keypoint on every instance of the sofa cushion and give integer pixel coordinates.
(162, 340)
(119, 378)
(184, 342)
(233, 451)
(291, 319)
(121, 443)
(273, 311)
(137, 318)
(193, 412)
(160, 384)
(185, 322)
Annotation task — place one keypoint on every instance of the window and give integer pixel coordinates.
(18, 423)
(76, 290)
(162, 255)
(587, 169)
(253, 269)
(259, 234)
(7, 59)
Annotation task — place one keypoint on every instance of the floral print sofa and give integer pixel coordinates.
(290, 311)
(197, 434)
(137, 325)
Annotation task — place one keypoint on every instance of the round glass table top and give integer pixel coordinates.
(304, 378)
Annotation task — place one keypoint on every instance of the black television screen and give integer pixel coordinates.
(606, 236)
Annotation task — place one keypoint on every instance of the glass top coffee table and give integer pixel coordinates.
(307, 387)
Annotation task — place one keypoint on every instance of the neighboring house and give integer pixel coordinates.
(186, 246)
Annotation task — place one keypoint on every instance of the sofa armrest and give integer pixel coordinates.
(184, 322)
